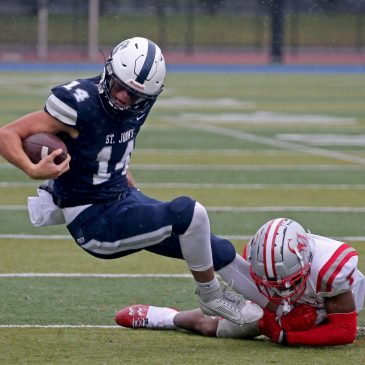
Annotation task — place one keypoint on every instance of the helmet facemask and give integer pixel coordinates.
(290, 288)
(137, 66)
(140, 101)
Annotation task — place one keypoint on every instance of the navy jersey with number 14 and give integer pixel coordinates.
(101, 153)
(106, 217)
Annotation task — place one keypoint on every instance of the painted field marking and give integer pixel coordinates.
(81, 275)
(251, 186)
(77, 326)
(263, 117)
(360, 330)
(216, 186)
(272, 142)
(36, 237)
(192, 103)
(292, 168)
(325, 139)
(228, 237)
(227, 209)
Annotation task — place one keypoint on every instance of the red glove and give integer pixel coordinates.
(270, 328)
(301, 318)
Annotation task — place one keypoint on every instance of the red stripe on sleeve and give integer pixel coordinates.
(328, 264)
(339, 268)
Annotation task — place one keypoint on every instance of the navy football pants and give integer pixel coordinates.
(139, 222)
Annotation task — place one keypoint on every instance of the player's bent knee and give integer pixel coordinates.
(188, 215)
(181, 204)
(199, 225)
(200, 216)
(181, 211)
(223, 252)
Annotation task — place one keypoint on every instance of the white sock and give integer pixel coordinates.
(210, 290)
(161, 318)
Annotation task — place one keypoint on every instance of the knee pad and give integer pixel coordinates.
(181, 204)
(223, 252)
(182, 210)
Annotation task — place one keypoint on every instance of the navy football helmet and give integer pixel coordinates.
(138, 66)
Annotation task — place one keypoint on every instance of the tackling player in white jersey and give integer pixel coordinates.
(312, 284)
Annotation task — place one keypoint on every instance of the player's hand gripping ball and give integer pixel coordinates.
(39, 145)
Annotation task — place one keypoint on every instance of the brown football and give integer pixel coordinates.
(39, 145)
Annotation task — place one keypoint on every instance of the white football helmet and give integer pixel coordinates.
(280, 259)
(138, 65)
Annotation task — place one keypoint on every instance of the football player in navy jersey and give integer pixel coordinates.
(92, 190)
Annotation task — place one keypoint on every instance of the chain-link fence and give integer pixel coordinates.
(67, 29)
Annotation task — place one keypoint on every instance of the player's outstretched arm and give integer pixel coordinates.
(340, 329)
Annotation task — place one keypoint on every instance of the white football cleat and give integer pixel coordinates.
(232, 307)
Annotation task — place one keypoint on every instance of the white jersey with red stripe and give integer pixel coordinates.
(333, 271)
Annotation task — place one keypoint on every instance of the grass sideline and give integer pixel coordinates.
(247, 168)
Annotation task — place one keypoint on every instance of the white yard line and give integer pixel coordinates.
(227, 209)
(216, 186)
(18, 184)
(35, 237)
(12, 207)
(287, 209)
(339, 238)
(235, 167)
(199, 152)
(242, 167)
(222, 152)
(273, 142)
(251, 186)
(87, 326)
(66, 237)
(76, 326)
(81, 275)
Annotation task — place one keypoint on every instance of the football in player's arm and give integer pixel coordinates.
(314, 288)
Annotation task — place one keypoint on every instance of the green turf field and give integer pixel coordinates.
(250, 147)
